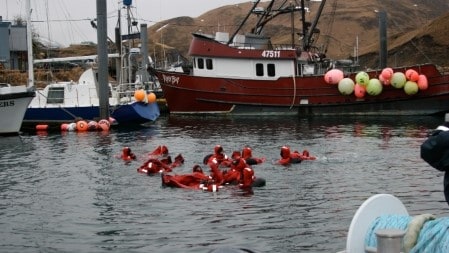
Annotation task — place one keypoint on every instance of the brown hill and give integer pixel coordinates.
(417, 30)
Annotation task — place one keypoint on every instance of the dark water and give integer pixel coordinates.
(69, 193)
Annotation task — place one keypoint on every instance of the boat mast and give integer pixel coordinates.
(308, 33)
(30, 82)
(255, 3)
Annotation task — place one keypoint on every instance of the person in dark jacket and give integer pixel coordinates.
(435, 151)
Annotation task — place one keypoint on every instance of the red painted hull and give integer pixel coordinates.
(309, 95)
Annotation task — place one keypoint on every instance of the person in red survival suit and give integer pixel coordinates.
(179, 160)
(305, 155)
(153, 166)
(196, 181)
(247, 154)
(219, 156)
(287, 157)
(159, 151)
(242, 174)
(234, 175)
(190, 181)
(127, 154)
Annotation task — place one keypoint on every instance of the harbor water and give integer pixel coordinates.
(68, 192)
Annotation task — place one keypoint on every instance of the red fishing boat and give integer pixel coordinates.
(247, 74)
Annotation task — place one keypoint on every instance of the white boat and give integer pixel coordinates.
(14, 101)
(63, 102)
(131, 99)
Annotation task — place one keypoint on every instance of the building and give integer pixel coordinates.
(13, 46)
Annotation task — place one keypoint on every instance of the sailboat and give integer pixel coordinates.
(14, 100)
(245, 73)
(131, 101)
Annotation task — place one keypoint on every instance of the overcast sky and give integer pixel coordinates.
(68, 21)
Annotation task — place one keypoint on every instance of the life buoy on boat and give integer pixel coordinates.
(151, 97)
(422, 82)
(411, 75)
(140, 95)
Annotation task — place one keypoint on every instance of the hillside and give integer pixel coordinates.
(420, 27)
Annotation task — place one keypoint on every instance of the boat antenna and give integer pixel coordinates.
(255, 3)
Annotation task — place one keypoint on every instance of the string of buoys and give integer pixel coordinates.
(84, 126)
(410, 81)
(81, 126)
(142, 96)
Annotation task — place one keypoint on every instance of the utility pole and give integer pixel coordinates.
(102, 46)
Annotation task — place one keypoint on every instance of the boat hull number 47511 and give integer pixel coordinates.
(271, 54)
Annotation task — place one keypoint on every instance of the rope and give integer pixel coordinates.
(433, 233)
(433, 237)
(294, 88)
(385, 222)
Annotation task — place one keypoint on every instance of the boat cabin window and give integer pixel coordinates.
(259, 69)
(209, 64)
(270, 69)
(55, 95)
(200, 63)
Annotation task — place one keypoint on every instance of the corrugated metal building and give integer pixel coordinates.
(13, 46)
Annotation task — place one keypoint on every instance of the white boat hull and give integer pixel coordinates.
(14, 101)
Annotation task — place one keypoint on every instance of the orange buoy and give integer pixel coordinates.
(140, 95)
(104, 125)
(41, 127)
(81, 126)
(151, 97)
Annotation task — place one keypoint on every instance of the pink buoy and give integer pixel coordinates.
(64, 127)
(411, 75)
(384, 81)
(104, 125)
(359, 90)
(92, 125)
(112, 121)
(333, 76)
(423, 84)
(387, 73)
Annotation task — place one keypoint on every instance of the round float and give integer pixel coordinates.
(375, 206)
(81, 126)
